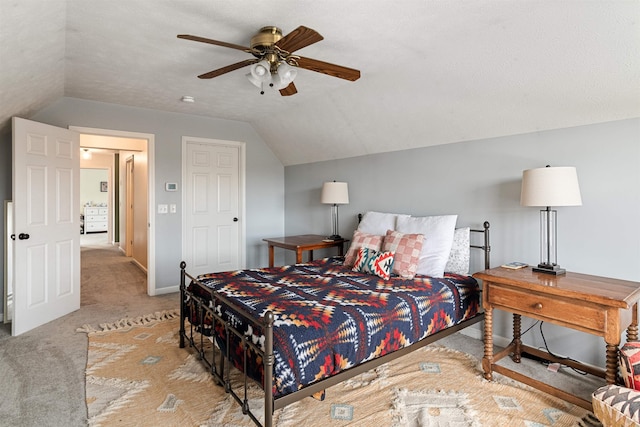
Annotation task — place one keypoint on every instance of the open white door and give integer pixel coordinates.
(46, 203)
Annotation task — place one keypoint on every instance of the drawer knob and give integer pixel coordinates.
(538, 306)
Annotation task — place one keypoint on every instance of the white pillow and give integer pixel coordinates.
(378, 223)
(438, 238)
(458, 262)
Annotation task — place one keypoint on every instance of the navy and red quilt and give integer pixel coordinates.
(329, 318)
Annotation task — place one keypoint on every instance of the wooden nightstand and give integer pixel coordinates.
(304, 242)
(592, 304)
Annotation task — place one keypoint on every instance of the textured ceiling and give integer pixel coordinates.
(433, 72)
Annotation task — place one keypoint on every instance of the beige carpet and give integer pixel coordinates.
(137, 376)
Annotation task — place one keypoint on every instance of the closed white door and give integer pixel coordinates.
(213, 196)
(46, 203)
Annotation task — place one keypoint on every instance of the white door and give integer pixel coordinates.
(46, 199)
(212, 213)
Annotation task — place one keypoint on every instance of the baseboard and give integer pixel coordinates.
(167, 290)
(472, 332)
(479, 335)
(140, 266)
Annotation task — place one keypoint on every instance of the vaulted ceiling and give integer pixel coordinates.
(433, 72)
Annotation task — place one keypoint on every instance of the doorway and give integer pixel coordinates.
(141, 147)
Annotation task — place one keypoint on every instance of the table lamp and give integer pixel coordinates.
(550, 186)
(335, 193)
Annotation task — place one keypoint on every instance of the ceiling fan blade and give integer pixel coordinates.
(299, 38)
(327, 68)
(224, 70)
(216, 42)
(289, 90)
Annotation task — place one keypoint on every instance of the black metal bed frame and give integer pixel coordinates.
(221, 370)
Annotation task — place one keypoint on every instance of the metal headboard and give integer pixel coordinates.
(486, 247)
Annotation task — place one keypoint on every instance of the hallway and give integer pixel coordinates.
(108, 278)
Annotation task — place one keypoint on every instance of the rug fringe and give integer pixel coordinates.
(129, 322)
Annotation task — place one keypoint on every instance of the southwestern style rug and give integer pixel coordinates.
(137, 376)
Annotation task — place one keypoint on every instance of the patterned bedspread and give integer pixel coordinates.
(329, 318)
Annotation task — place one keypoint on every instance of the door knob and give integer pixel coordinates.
(235, 219)
(23, 236)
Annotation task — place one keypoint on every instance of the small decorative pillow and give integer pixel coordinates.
(630, 364)
(374, 262)
(361, 240)
(407, 249)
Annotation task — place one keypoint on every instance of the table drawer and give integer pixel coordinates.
(553, 308)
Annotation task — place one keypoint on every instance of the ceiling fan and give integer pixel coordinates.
(275, 64)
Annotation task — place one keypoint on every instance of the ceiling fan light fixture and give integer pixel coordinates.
(253, 80)
(261, 71)
(284, 75)
(257, 83)
(275, 63)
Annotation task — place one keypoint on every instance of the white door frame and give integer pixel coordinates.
(241, 186)
(151, 236)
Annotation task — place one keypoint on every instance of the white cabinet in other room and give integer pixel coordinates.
(95, 219)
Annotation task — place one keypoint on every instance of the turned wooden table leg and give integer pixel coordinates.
(611, 364)
(517, 325)
(487, 360)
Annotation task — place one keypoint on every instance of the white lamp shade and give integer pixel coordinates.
(285, 75)
(335, 193)
(550, 186)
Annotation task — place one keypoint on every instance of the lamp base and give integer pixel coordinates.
(549, 269)
(335, 237)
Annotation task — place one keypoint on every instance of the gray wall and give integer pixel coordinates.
(264, 177)
(480, 181)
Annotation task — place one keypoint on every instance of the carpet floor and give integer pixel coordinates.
(137, 376)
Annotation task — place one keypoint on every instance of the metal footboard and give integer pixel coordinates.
(207, 347)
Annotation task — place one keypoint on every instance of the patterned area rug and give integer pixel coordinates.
(137, 376)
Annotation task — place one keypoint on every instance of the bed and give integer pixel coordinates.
(298, 329)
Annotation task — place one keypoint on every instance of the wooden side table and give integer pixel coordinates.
(592, 304)
(304, 242)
